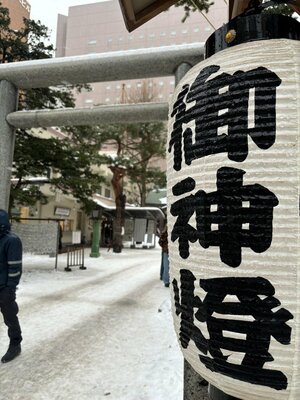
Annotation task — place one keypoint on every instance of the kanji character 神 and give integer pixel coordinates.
(242, 216)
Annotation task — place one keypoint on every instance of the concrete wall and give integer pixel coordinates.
(37, 237)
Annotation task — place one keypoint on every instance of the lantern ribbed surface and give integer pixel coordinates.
(233, 219)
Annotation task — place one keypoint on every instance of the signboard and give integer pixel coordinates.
(129, 228)
(140, 226)
(62, 211)
(76, 237)
(136, 13)
(151, 229)
(25, 4)
(233, 195)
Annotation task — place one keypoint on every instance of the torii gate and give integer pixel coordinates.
(134, 64)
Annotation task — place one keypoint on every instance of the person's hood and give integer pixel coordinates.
(4, 222)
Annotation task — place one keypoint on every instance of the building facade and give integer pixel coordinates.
(99, 28)
(18, 9)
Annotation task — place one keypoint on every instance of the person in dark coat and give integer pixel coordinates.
(10, 274)
(163, 242)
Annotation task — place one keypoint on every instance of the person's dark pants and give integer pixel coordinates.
(161, 266)
(9, 309)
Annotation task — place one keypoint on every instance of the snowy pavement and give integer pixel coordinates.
(94, 334)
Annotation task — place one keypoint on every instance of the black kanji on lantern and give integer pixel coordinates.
(254, 298)
(184, 209)
(185, 305)
(222, 102)
(242, 216)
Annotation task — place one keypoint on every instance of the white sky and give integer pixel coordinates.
(47, 13)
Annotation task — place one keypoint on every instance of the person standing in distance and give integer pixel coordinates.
(10, 274)
(163, 242)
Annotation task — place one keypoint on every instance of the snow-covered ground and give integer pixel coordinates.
(102, 333)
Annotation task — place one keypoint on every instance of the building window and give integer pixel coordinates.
(196, 29)
(107, 193)
(172, 82)
(107, 99)
(173, 33)
(88, 101)
(184, 31)
(162, 33)
(92, 42)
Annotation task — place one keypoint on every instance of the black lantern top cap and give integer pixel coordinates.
(248, 28)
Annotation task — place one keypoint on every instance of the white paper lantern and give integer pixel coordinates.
(233, 219)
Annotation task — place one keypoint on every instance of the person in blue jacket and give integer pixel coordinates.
(10, 274)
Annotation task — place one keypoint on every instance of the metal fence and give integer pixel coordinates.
(75, 257)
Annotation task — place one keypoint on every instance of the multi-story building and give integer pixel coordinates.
(99, 28)
(18, 9)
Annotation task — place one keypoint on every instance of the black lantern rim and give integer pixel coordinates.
(216, 394)
(243, 29)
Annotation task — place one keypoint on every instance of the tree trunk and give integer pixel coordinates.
(143, 186)
(117, 183)
(143, 194)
